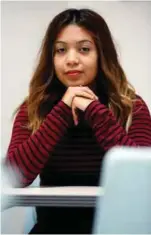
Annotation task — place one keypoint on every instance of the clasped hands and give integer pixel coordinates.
(78, 98)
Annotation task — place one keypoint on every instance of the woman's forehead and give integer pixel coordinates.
(74, 33)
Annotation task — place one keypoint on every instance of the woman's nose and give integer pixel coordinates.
(72, 58)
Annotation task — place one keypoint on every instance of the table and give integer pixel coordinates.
(51, 196)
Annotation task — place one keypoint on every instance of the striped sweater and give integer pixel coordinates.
(64, 154)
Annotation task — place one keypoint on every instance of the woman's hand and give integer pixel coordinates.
(81, 104)
(80, 91)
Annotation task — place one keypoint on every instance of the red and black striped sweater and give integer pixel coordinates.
(64, 154)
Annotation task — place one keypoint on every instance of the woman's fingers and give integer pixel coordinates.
(72, 92)
(79, 103)
(85, 94)
(74, 114)
(89, 91)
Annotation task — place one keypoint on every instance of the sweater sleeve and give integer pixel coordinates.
(110, 133)
(28, 152)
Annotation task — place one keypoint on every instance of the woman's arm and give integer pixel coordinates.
(28, 152)
(110, 133)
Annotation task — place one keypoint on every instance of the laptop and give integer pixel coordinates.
(126, 205)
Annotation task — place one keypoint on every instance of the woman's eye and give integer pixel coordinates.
(84, 49)
(60, 50)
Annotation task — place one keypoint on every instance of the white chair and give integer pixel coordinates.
(126, 205)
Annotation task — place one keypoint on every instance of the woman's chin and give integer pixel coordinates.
(77, 83)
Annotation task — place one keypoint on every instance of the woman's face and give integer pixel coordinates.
(75, 58)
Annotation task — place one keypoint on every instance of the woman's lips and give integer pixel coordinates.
(73, 73)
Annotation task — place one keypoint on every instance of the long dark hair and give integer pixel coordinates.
(45, 89)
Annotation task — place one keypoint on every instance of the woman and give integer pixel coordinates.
(80, 104)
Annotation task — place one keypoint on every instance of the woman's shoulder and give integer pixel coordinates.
(23, 107)
(22, 111)
(140, 104)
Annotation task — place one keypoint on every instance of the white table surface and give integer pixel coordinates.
(84, 196)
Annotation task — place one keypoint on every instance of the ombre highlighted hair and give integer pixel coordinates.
(45, 89)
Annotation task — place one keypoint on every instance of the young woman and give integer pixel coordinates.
(80, 104)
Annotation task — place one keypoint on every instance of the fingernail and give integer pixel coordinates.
(76, 122)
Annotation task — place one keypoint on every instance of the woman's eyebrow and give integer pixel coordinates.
(78, 42)
(83, 41)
